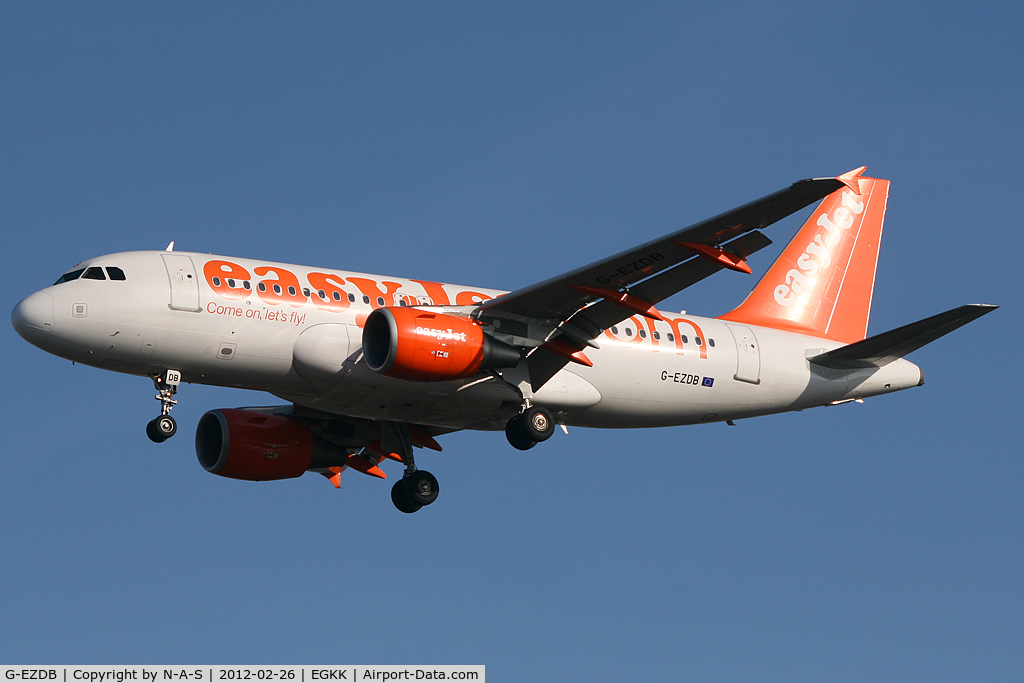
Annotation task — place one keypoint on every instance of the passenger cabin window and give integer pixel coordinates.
(68, 277)
(115, 273)
(94, 273)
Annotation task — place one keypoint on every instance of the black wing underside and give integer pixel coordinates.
(556, 299)
(560, 310)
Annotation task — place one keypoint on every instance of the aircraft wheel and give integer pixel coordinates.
(401, 496)
(538, 423)
(423, 486)
(165, 426)
(516, 434)
(161, 428)
(151, 432)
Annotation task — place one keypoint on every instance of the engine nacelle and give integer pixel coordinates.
(419, 345)
(242, 444)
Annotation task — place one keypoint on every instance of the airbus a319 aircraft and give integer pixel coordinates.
(374, 367)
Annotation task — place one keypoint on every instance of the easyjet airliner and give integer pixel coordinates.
(373, 367)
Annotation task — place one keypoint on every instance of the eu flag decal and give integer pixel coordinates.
(707, 382)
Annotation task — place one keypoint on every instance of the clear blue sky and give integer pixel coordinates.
(497, 145)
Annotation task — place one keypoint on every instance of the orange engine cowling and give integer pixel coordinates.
(242, 444)
(419, 345)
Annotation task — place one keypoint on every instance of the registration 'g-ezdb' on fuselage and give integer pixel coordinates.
(374, 367)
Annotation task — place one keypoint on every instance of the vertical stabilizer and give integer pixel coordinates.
(823, 281)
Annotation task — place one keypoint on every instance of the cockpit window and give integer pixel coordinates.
(115, 273)
(68, 277)
(94, 273)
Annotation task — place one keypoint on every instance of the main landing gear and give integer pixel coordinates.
(416, 488)
(164, 427)
(530, 427)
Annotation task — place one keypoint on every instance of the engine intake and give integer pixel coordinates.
(418, 345)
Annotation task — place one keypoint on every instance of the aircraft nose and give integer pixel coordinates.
(33, 316)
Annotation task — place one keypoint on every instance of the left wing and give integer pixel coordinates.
(561, 316)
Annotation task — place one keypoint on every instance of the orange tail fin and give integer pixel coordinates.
(823, 281)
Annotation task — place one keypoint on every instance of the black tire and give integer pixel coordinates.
(152, 433)
(165, 426)
(401, 496)
(538, 423)
(423, 487)
(516, 434)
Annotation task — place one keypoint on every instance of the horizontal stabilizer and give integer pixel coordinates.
(884, 348)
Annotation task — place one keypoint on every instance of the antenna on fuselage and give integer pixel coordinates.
(170, 247)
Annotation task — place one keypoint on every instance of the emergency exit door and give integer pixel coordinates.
(748, 356)
(184, 285)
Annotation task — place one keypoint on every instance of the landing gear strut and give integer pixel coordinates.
(530, 427)
(164, 427)
(416, 488)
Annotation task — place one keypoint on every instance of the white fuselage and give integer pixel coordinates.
(189, 312)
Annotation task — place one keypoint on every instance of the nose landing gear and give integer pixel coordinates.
(530, 427)
(164, 427)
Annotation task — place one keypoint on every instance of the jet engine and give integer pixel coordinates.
(419, 345)
(244, 444)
